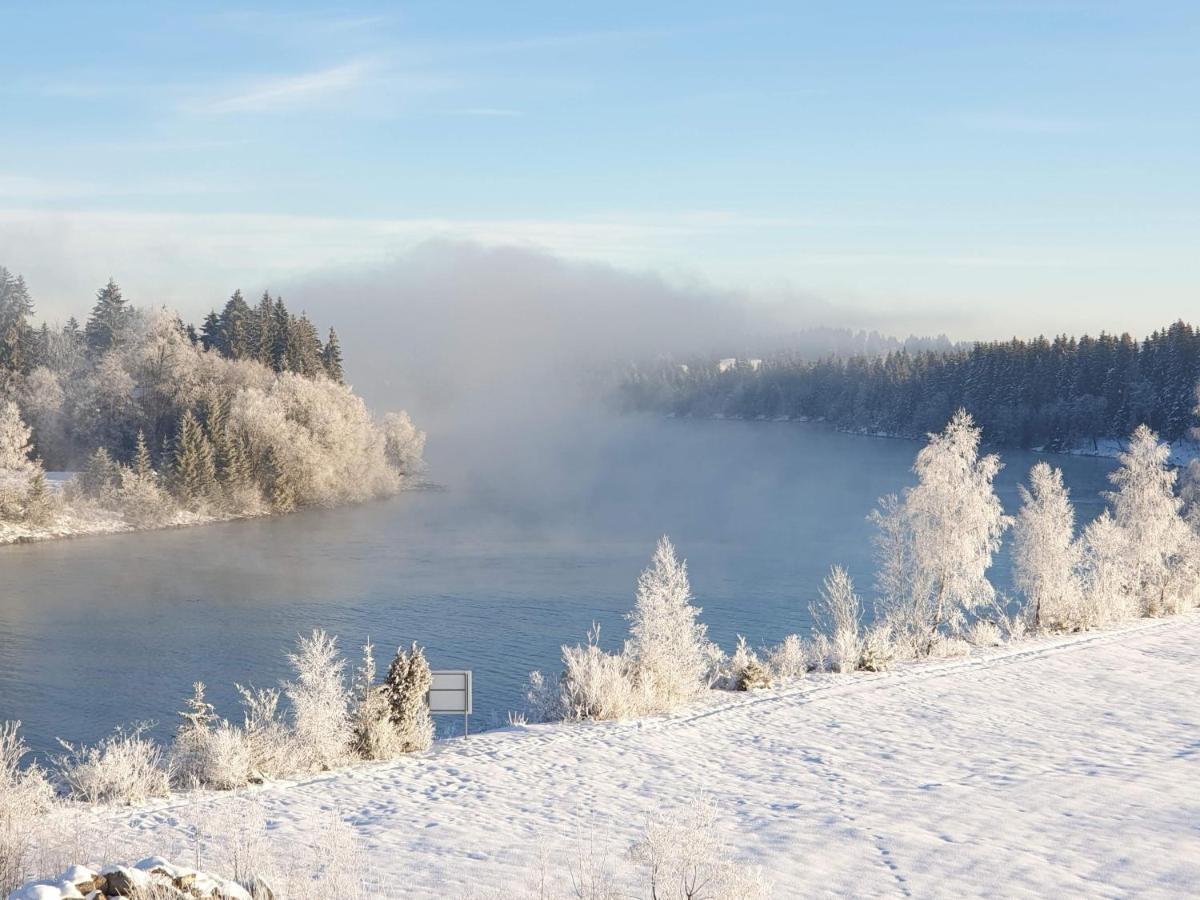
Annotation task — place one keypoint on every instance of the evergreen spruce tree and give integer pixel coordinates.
(109, 320)
(39, 504)
(101, 473)
(281, 336)
(280, 490)
(194, 468)
(142, 466)
(16, 335)
(407, 688)
(236, 337)
(331, 357)
(264, 330)
(210, 334)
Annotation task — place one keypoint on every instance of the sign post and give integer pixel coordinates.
(450, 694)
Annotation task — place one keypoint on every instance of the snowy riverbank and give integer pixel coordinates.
(1062, 765)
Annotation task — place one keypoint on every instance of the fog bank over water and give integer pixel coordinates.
(457, 328)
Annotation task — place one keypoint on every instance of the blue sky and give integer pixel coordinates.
(982, 167)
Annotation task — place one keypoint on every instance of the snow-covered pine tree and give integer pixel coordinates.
(407, 688)
(39, 502)
(1160, 549)
(109, 320)
(666, 648)
(191, 737)
(142, 465)
(194, 470)
(331, 357)
(1046, 557)
(101, 474)
(375, 737)
(320, 703)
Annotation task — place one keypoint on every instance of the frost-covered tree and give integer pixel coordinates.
(142, 466)
(331, 357)
(320, 703)
(101, 474)
(1106, 590)
(1046, 557)
(1160, 548)
(937, 543)
(685, 857)
(15, 449)
(194, 467)
(109, 320)
(191, 737)
(838, 615)
(667, 641)
(404, 443)
(407, 689)
(375, 736)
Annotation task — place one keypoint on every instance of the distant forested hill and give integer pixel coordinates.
(1058, 393)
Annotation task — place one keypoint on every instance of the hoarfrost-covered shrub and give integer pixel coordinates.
(686, 856)
(270, 747)
(838, 614)
(818, 653)
(983, 633)
(666, 651)
(142, 501)
(595, 684)
(878, 649)
(26, 796)
(408, 682)
(125, 767)
(320, 703)
(745, 672)
(404, 443)
(375, 737)
(542, 700)
(947, 646)
(788, 659)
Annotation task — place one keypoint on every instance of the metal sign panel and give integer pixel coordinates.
(450, 693)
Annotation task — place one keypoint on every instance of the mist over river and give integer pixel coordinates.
(532, 539)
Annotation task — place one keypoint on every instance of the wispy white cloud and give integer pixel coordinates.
(289, 91)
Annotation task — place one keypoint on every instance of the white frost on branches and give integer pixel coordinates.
(1046, 557)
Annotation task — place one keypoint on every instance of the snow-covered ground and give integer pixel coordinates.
(1065, 766)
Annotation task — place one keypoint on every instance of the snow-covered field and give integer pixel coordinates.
(1062, 766)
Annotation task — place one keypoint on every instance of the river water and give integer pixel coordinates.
(530, 541)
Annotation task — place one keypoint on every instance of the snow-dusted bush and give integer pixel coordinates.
(936, 543)
(878, 648)
(838, 614)
(125, 767)
(983, 633)
(406, 688)
(404, 443)
(320, 703)
(25, 797)
(142, 500)
(597, 685)
(269, 744)
(948, 646)
(666, 652)
(686, 856)
(787, 659)
(744, 671)
(1046, 556)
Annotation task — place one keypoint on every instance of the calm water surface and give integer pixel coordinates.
(522, 551)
